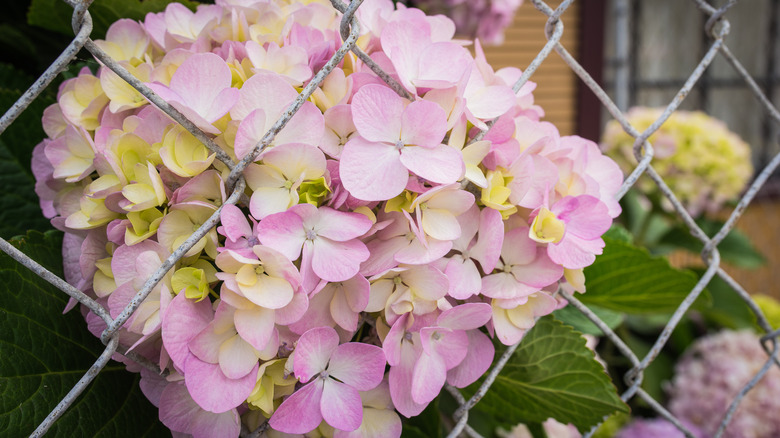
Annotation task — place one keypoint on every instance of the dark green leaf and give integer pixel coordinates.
(56, 15)
(425, 425)
(575, 318)
(19, 209)
(736, 248)
(552, 374)
(26, 131)
(13, 79)
(728, 309)
(43, 353)
(619, 232)
(628, 279)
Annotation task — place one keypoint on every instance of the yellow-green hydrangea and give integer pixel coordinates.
(703, 162)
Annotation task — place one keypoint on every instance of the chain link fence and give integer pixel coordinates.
(716, 27)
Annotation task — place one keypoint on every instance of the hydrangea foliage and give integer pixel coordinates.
(378, 244)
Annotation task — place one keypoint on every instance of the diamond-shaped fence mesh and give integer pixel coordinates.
(716, 27)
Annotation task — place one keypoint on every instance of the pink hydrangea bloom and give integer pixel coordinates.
(374, 229)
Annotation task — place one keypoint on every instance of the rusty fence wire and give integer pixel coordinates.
(717, 27)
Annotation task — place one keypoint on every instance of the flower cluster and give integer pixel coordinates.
(483, 19)
(712, 372)
(377, 243)
(703, 162)
(655, 428)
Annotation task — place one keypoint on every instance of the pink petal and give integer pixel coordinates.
(575, 253)
(340, 312)
(585, 216)
(487, 250)
(440, 224)
(203, 80)
(341, 226)
(255, 325)
(182, 320)
(504, 285)
(361, 366)
(451, 347)
(265, 90)
(210, 425)
(377, 423)
(205, 345)
(269, 292)
(465, 317)
(306, 126)
(266, 201)
(383, 254)
(464, 277)
(476, 363)
(539, 273)
(490, 102)
(313, 351)
(443, 64)
(341, 406)
(518, 248)
(250, 132)
(441, 164)
(180, 413)
(300, 413)
(356, 290)
(507, 333)
(424, 124)
(372, 171)
(202, 378)
(283, 232)
(376, 112)
(393, 343)
(427, 281)
(234, 222)
(400, 380)
(338, 261)
(401, 41)
(236, 358)
(428, 378)
(416, 254)
(293, 311)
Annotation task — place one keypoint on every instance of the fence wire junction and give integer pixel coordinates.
(716, 27)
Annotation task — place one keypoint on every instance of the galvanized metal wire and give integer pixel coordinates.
(716, 26)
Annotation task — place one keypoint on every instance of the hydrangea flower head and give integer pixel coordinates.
(377, 245)
(711, 373)
(704, 163)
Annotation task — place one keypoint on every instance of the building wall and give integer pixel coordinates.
(556, 88)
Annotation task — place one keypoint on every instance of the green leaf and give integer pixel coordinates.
(425, 425)
(736, 248)
(56, 15)
(552, 374)
(573, 317)
(628, 279)
(19, 208)
(728, 309)
(619, 232)
(43, 353)
(26, 131)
